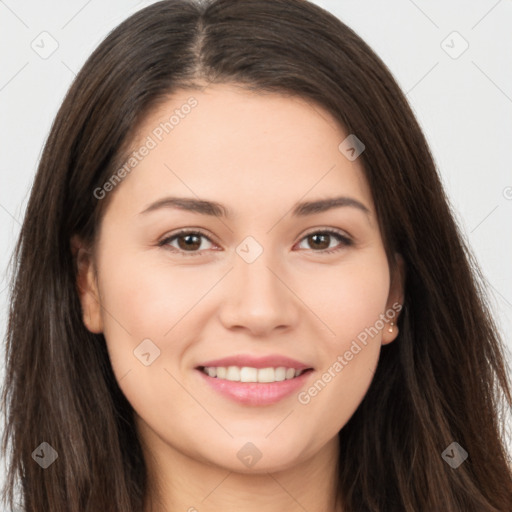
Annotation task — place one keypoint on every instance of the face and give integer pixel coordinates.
(261, 285)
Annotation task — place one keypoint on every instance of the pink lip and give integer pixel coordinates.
(255, 393)
(270, 361)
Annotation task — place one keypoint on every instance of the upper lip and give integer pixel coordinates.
(270, 361)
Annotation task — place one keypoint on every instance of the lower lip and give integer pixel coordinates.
(256, 393)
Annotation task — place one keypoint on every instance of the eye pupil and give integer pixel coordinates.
(317, 236)
(188, 244)
(319, 241)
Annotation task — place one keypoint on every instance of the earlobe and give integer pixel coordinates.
(86, 285)
(395, 301)
(389, 333)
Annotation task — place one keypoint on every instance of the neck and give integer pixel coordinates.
(178, 482)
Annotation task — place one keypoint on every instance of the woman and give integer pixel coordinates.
(178, 341)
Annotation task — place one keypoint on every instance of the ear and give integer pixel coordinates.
(395, 301)
(87, 286)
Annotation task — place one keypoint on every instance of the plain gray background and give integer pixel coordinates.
(452, 59)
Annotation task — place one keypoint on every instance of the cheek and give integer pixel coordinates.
(147, 319)
(140, 301)
(351, 298)
(352, 309)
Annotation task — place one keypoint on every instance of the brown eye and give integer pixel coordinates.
(320, 241)
(187, 242)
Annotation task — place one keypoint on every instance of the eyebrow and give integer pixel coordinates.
(215, 209)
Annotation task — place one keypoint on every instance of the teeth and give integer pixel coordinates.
(233, 373)
(280, 373)
(248, 374)
(266, 375)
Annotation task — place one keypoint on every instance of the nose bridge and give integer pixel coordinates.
(258, 299)
(255, 267)
(259, 275)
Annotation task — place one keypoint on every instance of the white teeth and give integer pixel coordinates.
(266, 375)
(249, 374)
(233, 373)
(280, 373)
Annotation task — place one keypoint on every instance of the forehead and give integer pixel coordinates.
(252, 151)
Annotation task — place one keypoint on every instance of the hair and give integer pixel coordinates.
(443, 379)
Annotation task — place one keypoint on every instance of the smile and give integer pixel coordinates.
(267, 391)
(250, 374)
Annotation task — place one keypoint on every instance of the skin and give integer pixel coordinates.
(257, 154)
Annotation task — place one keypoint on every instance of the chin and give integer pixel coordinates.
(260, 456)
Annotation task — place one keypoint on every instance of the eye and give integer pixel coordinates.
(189, 242)
(321, 239)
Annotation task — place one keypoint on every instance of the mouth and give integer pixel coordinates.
(250, 374)
(251, 386)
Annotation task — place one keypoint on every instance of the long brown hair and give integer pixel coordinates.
(443, 380)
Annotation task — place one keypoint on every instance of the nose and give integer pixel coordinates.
(259, 298)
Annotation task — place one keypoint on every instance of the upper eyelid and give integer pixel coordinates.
(183, 232)
(197, 231)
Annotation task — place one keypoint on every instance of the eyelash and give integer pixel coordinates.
(346, 242)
